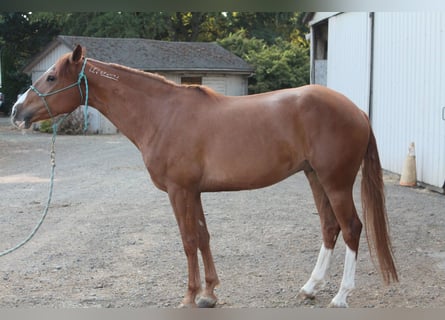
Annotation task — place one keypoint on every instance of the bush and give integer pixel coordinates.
(72, 125)
(283, 64)
(279, 66)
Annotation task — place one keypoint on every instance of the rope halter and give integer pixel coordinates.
(81, 76)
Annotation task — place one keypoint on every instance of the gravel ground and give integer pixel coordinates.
(111, 240)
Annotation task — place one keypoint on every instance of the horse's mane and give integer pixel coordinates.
(157, 77)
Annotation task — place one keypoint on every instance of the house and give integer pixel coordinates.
(392, 65)
(182, 62)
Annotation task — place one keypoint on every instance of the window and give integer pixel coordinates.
(191, 80)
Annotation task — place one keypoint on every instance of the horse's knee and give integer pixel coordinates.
(190, 244)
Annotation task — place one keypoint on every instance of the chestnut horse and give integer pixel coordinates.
(195, 140)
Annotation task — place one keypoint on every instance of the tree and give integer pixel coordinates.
(240, 44)
(273, 42)
(153, 25)
(176, 26)
(265, 25)
(283, 64)
(22, 35)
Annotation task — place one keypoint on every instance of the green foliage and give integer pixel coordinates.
(283, 64)
(272, 42)
(46, 126)
(151, 25)
(176, 26)
(240, 44)
(70, 125)
(22, 35)
(264, 25)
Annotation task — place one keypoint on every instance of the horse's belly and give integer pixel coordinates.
(243, 172)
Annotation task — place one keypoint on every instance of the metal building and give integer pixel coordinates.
(392, 65)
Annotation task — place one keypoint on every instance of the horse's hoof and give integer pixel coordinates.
(338, 305)
(206, 302)
(186, 305)
(303, 295)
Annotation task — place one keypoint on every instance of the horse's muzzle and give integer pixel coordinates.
(19, 120)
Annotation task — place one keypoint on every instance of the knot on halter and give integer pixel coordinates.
(83, 76)
(80, 77)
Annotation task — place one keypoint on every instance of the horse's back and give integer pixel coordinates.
(258, 140)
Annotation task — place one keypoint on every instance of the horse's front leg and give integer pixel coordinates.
(184, 203)
(207, 298)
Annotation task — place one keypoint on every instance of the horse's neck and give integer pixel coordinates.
(131, 100)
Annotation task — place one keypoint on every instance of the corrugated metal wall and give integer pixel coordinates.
(349, 56)
(408, 87)
(409, 91)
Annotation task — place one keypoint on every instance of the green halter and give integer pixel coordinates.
(81, 76)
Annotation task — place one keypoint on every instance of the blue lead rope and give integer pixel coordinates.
(83, 76)
(50, 193)
(55, 126)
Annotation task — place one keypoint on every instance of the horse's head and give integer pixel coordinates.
(56, 92)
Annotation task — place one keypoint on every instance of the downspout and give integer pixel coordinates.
(311, 39)
(371, 64)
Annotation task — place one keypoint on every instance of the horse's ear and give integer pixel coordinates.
(77, 54)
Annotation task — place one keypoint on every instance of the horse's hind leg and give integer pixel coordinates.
(330, 229)
(343, 206)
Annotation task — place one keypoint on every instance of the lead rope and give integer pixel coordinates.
(53, 151)
(50, 193)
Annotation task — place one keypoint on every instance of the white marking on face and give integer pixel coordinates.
(20, 100)
(22, 97)
(50, 69)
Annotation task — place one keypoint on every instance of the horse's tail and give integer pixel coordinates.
(374, 212)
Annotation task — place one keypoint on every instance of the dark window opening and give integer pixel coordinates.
(191, 80)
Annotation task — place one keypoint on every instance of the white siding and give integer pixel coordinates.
(349, 56)
(217, 83)
(98, 123)
(176, 78)
(409, 94)
(232, 85)
(48, 61)
(236, 85)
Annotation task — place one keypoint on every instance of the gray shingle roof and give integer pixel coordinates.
(154, 55)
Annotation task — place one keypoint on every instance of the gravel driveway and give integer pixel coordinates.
(111, 240)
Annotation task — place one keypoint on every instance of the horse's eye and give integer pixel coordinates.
(50, 78)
